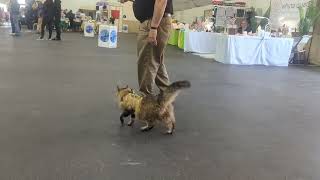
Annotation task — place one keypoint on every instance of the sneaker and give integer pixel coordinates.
(49, 39)
(40, 39)
(12, 34)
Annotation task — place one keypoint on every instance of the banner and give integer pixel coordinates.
(88, 30)
(286, 12)
(108, 36)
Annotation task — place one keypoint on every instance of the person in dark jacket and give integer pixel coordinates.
(48, 15)
(14, 9)
(30, 15)
(71, 17)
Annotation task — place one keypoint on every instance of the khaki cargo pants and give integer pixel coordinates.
(151, 68)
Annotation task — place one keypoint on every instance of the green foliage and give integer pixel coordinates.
(253, 21)
(308, 18)
(264, 22)
(268, 12)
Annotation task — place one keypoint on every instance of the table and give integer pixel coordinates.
(200, 42)
(174, 37)
(242, 50)
(252, 50)
(181, 39)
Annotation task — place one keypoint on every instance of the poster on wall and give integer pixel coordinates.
(286, 12)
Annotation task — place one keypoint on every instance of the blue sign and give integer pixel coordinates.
(104, 35)
(113, 36)
(89, 29)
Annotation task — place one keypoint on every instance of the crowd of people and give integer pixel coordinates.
(4, 16)
(42, 15)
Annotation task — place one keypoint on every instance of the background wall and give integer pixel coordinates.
(189, 15)
(83, 4)
(74, 5)
(128, 11)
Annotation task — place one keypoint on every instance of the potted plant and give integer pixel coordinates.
(307, 21)
(263, 22)
(308, 18)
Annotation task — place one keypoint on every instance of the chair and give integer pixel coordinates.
(298, 53)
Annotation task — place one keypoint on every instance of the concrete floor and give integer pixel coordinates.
(59, 120)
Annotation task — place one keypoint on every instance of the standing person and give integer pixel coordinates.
(29, 15)
(244, 27)
(14, 9)
(57, 19)
(71, 17)
(40, 16)
(154, 32)
(48, 14)
(38, 6)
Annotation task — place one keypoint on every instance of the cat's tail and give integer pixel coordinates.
(169, 95)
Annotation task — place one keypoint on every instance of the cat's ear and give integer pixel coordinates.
(118, 88)
(127, 87)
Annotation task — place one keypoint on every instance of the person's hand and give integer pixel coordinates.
(152, 38)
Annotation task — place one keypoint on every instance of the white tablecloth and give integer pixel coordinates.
(243, 50)
(250, 50)
(200, 42)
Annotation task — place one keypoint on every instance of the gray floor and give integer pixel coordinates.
(59, 120)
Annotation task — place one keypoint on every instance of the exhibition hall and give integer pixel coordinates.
(159, 89)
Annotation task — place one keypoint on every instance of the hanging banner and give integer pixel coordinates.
(88, 30)
(286, 12)
(108, 36)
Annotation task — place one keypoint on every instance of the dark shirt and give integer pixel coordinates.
(57, 9)
(48, 10)
(40, 9)
(14, 8)
(143, 9)
(70, 16)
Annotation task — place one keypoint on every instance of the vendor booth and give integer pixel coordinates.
(241, 50)
(238, 34)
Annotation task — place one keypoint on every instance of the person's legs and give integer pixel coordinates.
(147, 66)
(43, 25)
(29, 22)
(50, 24)
(16, 23)
(72, 25)
(19, 23)
(13, 29)
(39, 24)
(151, 68)
(162, 78)
(57, 24)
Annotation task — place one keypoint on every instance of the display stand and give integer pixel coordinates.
(181, 39)
(89, 29)
(174, 37)
(108, 36)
